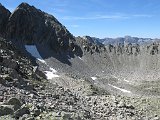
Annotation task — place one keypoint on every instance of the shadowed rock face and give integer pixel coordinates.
(4, 15)
(29, 25)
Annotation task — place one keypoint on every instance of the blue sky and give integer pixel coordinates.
(102, 18)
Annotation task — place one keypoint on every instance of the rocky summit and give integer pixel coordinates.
(29, 25)
(48, 74)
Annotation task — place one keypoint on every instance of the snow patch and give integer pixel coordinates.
(53, 70)
(32, 49)
(80, 58)
(41, 60)
(126, 80)
(94, 78)
(123, 90)
(50, 75)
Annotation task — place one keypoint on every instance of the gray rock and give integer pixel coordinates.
(21, 112)
(67, 116)
(121, 104)
(2, 81)
(10, 64)
(15, 102)
(156, 117)
(24, 117)
(36, 112)
(6, 110)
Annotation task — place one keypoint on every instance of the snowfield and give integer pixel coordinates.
(32, 49)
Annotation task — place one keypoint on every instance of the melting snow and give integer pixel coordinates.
(41, 60)
(94, 78)
(123, 90)
(80, 58)
(53, 70)
(50, 75)
(32, 49)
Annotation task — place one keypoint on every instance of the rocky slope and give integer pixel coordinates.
(86, 72)
(19, 79)
(26, 94)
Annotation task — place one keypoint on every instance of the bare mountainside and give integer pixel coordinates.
(69, 77)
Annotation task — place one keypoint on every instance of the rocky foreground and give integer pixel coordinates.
(25, 94)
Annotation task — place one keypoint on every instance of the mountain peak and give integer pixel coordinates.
(2, 8)
(29, 25)
(28, 7)
(23, 4)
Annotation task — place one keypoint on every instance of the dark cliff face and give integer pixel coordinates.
(30, 25)
(4, 15)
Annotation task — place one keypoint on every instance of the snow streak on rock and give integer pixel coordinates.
(94, 78)
(123, 90)
(80, 58)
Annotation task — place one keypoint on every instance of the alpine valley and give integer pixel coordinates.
(46, 73)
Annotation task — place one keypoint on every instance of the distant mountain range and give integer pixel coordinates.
(47, 73)
(122, 40)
